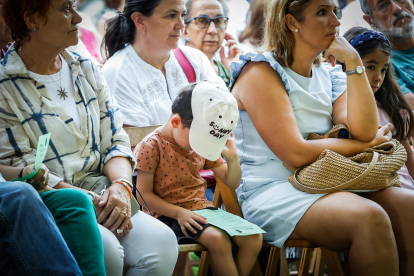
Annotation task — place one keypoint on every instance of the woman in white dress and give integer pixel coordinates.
(298, 96)
(142, 71)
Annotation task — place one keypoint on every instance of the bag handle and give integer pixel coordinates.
(185, 65)
(341, 186)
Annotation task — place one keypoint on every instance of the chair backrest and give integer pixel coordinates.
(229, 198)
(137, 134)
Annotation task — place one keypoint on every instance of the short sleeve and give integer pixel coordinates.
(237, 67)
(214, 164)
(338, 79)
(147, 157)
(401, 82)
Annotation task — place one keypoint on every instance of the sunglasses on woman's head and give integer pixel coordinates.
(203, 22)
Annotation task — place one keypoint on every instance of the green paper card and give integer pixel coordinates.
(41, 151)
(232, 224)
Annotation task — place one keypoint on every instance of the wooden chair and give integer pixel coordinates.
(136, 135)
(323, 255)
(226, 196)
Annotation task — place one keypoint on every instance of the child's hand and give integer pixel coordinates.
(230, 149)
(187, 219)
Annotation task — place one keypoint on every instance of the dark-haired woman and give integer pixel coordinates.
(142, 72)
(374, 50)
(47, 89)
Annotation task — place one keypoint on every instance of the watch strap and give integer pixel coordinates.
(355, 71)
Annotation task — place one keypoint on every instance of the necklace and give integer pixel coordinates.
(62, 93)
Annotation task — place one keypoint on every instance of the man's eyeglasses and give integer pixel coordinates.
(383, 6)
(203, 22)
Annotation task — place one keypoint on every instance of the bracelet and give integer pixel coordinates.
(125, 181)
(91, 194)
(125, 185)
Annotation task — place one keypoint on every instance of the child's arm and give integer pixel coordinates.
(186, 218)
(229, 172)
(410, 157)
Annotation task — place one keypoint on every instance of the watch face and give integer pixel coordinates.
(359, 70)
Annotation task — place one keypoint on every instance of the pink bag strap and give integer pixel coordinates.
(185, 65)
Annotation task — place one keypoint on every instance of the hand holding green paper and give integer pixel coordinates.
(37, 174)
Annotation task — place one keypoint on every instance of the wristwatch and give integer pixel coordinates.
(358, 70)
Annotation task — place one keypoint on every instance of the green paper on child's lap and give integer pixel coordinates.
(232, 224)
(41, 151)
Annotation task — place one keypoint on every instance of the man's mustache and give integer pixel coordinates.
(399, 16)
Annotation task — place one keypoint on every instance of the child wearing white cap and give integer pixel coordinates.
(197, 134)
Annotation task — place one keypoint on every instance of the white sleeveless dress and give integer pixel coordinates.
(265, 194)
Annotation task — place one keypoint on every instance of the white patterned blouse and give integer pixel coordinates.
(27, 112)
(144, 94)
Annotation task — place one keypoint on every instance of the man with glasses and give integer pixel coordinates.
(206, 29)
(395, 19)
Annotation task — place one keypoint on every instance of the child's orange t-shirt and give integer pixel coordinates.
(176, 177)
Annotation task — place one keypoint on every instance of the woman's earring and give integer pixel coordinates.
(296, 30)
(188, 39)
(35, 29)
(143, 32)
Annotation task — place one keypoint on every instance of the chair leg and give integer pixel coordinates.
(204, 263)
(313, 262)
(332, 262)
(304, 262)
(284, 266)
(273, 261)
(181, 264)
(189, 267)
(319, 263)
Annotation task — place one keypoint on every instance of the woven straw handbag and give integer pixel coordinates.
(374, 169)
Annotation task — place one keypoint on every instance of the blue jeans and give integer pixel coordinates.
(30, 242)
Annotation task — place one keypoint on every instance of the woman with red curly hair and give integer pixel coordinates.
(45, 88)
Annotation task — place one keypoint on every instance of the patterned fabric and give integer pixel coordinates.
(368, 36)
(27, 112)
(144, 94)
(4, 50)
(176, 177)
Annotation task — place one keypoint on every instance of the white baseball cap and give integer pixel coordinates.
(215, 115)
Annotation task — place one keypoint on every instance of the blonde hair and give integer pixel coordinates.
(278, 38)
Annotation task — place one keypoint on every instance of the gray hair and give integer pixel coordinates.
(365, 7)
(189, 4)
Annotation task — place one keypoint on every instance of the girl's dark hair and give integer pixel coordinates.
(182, 104)
(121, 29)
(389, 96)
